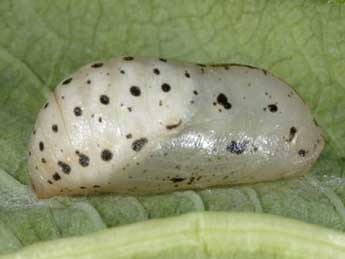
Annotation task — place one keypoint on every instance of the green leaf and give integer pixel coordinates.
(42, 41)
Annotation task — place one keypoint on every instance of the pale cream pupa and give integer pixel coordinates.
(149, 125)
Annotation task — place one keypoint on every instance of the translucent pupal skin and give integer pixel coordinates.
(146, 125)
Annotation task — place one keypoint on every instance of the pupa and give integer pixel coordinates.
(151, 125)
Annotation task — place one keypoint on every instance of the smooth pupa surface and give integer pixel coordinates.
(144, 125)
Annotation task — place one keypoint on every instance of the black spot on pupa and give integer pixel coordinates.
(237, 147)
(62, 97)
(96, 186)
(163, 59)
(191, 180)
(201, 65)
(315, 122)
(34, 132)
(138, 144)
(29, 153)
(77, 111)
(84, 160)
(177, 179)
(135, 90)
(67, 81)
(55, 128)
(56, 176)
(82, 187)
(41, 146)
(129, 109)
(100, 119)
(187, 74)
(156, 71)
(122, 71)
(302, 152)
(192, 102)
(223, 100)
(43, 160)
(293, 132)
(160, 102)
(88, 82)
(166, 87)
(264, 71)
(97, 65)
(50, 182)
(272, 107)
(129, 136)
(64, 167)
(106, 155)
(46, 105)
(173, 126)
(104, 99)
(128, 58)
(195, 92)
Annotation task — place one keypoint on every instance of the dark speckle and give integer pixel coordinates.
(43, 160)
(46, 105)
(41, 146)
(173, 126)
(97, 65)
(156, 71)
(135, 90)
(272, 107)
(77, 111)
(56, 177)
(302, 152)
(104, 99)
(177, 179)
(166, 87)
(160, 102)
(50, 182)
(129, 136)
(55, 128)
(195, 92)
(84, 160)
(100, 119)
(138, 144)
(187, 74)
(96, 186)
(106, 155)
(223, 100)
(129, 109)
(128, 58)
(64, 167)
(237, 147)
(163, 59)
(82, 187)
(67, 81)
(88, 82)
(315, 122)
(293, 132)
(122, 71)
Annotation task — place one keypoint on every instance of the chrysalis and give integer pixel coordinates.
(142, 125)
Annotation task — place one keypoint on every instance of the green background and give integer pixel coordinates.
(42, 41)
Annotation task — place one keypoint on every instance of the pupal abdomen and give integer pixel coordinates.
(142, 125)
